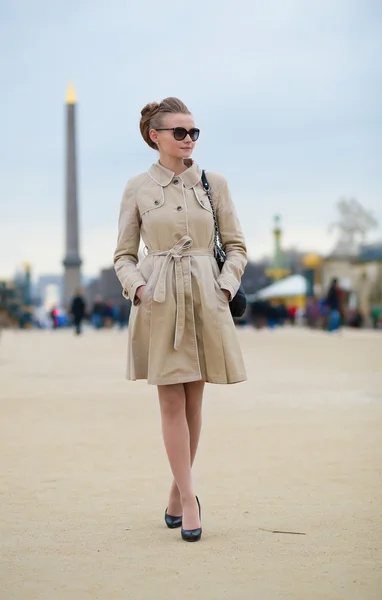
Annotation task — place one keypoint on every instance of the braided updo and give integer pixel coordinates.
(152, 116)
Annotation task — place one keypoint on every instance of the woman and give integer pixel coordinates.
(181, 333)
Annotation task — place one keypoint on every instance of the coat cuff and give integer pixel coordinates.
(130, 289)
(230, 284)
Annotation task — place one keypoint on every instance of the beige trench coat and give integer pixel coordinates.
(182, 330)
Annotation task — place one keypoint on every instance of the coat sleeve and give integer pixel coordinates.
(126, 253)
(232, 240)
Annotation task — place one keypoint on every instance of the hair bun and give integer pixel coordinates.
(150, 109)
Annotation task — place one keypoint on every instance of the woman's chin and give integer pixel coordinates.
(186, 154)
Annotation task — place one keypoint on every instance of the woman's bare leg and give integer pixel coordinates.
(176, 436)
(194, 397)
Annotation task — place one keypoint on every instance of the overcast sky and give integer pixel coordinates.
(287, 94)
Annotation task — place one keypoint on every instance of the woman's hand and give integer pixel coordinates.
(139, 292)
(228, 294)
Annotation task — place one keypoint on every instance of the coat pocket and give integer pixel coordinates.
(146, 205)
(202, 199)
(220, 293)
(147, 271)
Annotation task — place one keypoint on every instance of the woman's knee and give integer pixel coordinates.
(171, 399)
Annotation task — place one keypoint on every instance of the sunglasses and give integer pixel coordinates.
(180, 133)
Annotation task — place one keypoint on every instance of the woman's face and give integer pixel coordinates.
(165, 140)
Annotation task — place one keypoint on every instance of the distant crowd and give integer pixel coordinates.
(328, 313)
(102, 314)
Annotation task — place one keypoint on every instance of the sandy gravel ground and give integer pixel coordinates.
(84, 477)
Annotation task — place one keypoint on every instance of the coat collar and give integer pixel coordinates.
(163, 176)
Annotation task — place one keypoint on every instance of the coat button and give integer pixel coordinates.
(156, 202)
(176, 181)
(179, 208)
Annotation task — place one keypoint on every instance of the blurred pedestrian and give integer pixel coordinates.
(108, 314)
(375, 315)
(292, 313)
(54, 317)
(78, 310)
(334, 305)
(98, 312)
(313, 313)
(124, 313)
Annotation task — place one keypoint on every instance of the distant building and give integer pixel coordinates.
(370, 252)
(254, 277)
(49, 289)
(107, 286)
(360, 275)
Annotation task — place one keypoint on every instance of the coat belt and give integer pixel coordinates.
(176, 253)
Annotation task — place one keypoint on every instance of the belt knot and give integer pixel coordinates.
(176, 253)
(160, 289)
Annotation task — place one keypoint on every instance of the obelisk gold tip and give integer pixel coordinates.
(71, 97)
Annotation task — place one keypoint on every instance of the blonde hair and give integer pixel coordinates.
(152, 116)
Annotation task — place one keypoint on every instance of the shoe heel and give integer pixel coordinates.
(193, 535)
(172, 522)
(200, 508)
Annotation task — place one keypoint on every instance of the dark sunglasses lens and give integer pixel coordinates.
(180, 133)
(194, 134)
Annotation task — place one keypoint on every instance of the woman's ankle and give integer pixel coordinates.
(188, 498)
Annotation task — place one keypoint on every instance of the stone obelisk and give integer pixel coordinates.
(72, 261)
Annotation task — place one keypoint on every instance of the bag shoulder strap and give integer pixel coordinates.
(218, 241)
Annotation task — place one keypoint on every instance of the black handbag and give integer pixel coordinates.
(238, 303)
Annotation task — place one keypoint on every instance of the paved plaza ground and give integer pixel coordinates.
(84, 476)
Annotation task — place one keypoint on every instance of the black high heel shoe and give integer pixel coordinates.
(172, 522)
(193, 535)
